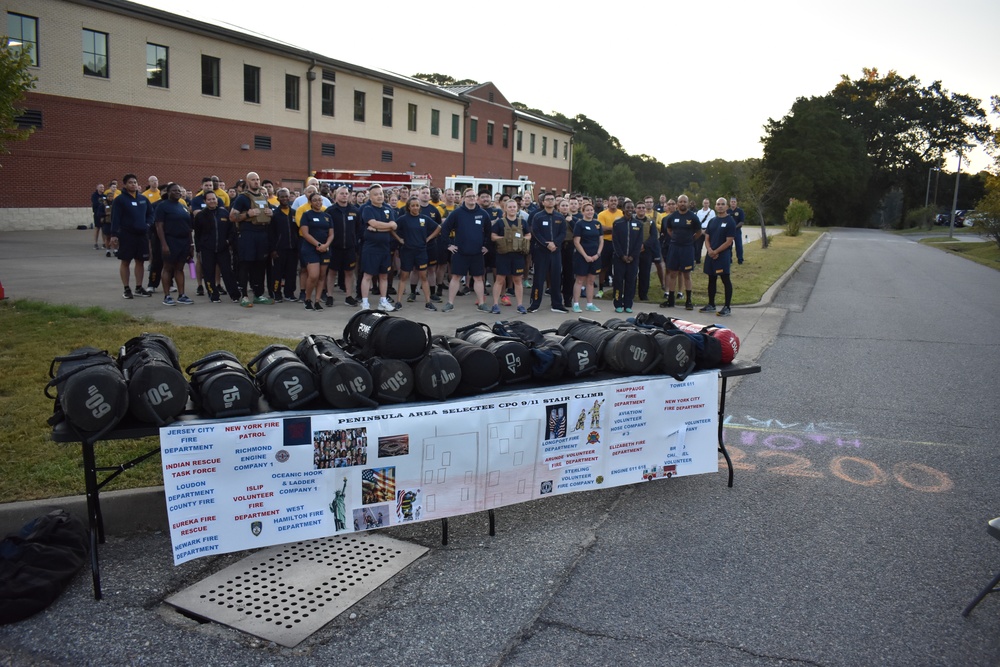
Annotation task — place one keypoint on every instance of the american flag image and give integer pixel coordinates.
(378, 485)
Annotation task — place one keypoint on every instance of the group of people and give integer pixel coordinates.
(257, 244)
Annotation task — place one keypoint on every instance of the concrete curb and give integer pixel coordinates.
(769, 295)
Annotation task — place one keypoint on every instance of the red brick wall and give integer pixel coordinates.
(82, 143)
(481, 158)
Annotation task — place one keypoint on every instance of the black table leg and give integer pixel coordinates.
(722, 444)
(94, 523)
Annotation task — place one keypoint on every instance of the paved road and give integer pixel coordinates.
(854, 535)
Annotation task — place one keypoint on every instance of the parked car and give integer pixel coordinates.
(945, 218)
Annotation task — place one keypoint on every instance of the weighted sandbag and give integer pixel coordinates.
(91, 392)
(624, 351)
(157, 389)
(286, 382)
(393, 379)
(511, 354)
(581, 357)
(343, 381)
(480, 368)
(371, 333)
(675, 349)
(439, 374)
(222, 387)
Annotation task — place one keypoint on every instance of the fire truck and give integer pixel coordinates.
(362, 180)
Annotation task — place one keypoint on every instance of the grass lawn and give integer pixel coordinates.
(986, 253)
(32, 466)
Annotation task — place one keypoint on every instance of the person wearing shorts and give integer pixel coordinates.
(684, 229)
(720, 236)
(376, 257)
(509, 262)
(131, 220)
(469, 224)
(588, 246)
(316, 230)
(414, 232)
(173, 232)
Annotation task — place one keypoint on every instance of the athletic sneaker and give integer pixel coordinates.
(688, 306)
(278, 298)
(559, 309)
(107, 254)
(169, 301)
(619, 310)
(532, 309)
(391, 291)
(215, 299)
(309, 304)
(724, 312)
(329, 301)
(184, 300)
(365, 305)
(263, 300)
(576, 308)
(436, 298)
(505, 300)
(95, 245)
(200, 291)
(302, 295)
(246, 302)
(292, 299)
(221, 291)
(385, 306)
(430, 306)
(448, 307)
(127, 292)
(628, 310)
(707, 309)
(139, 291)
(411, 297)
(317, 306)
(669, 303)
(599, 294)
(592, 308)
(484, 308)
(495, 309)
(522, 310)
(351, 301)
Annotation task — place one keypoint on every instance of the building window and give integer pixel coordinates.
(545, 144)
(505, 136)
(435, 122)
(251, 84)
(292, 92)
(95, 53)
(210, 76)
(327, 103)
(455, 124)
(555, 147)
(520, 135)
(22, 34)
(474, 130)
(566, 150)
(386, 112)
(489, 134)
(359, 106)
(411, 117)
(531, 143)
(156, 66)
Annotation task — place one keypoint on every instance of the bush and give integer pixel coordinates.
(797, 214)
(920, 217)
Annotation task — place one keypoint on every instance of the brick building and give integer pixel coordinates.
(156, 93)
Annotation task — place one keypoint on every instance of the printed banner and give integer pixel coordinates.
(272, 479)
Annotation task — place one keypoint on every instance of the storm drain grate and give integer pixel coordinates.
(285, 593)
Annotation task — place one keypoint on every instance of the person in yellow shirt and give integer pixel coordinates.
(220, 192)
(152, 193)
(607, 219)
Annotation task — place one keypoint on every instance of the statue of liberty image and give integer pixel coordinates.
(338, 507)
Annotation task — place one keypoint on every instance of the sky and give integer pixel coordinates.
(676, 81)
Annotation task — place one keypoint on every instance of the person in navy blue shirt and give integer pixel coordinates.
(284, 242)
(131, 220)
(414, 232)
(548, 231)
(214, 238)
(344, 254)
(626, 243)
(316, 231)
(173, 232)
(376, 255)
(739, 217)
(588, 244)
(470, 224)
(720, 235)
(684, 230)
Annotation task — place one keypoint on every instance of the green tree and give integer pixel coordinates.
(622, 181)
(15, 82)
(444, 80)
(820, 157)
(755, 188)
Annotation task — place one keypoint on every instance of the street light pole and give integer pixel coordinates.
(954, 200)
(927, 197)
